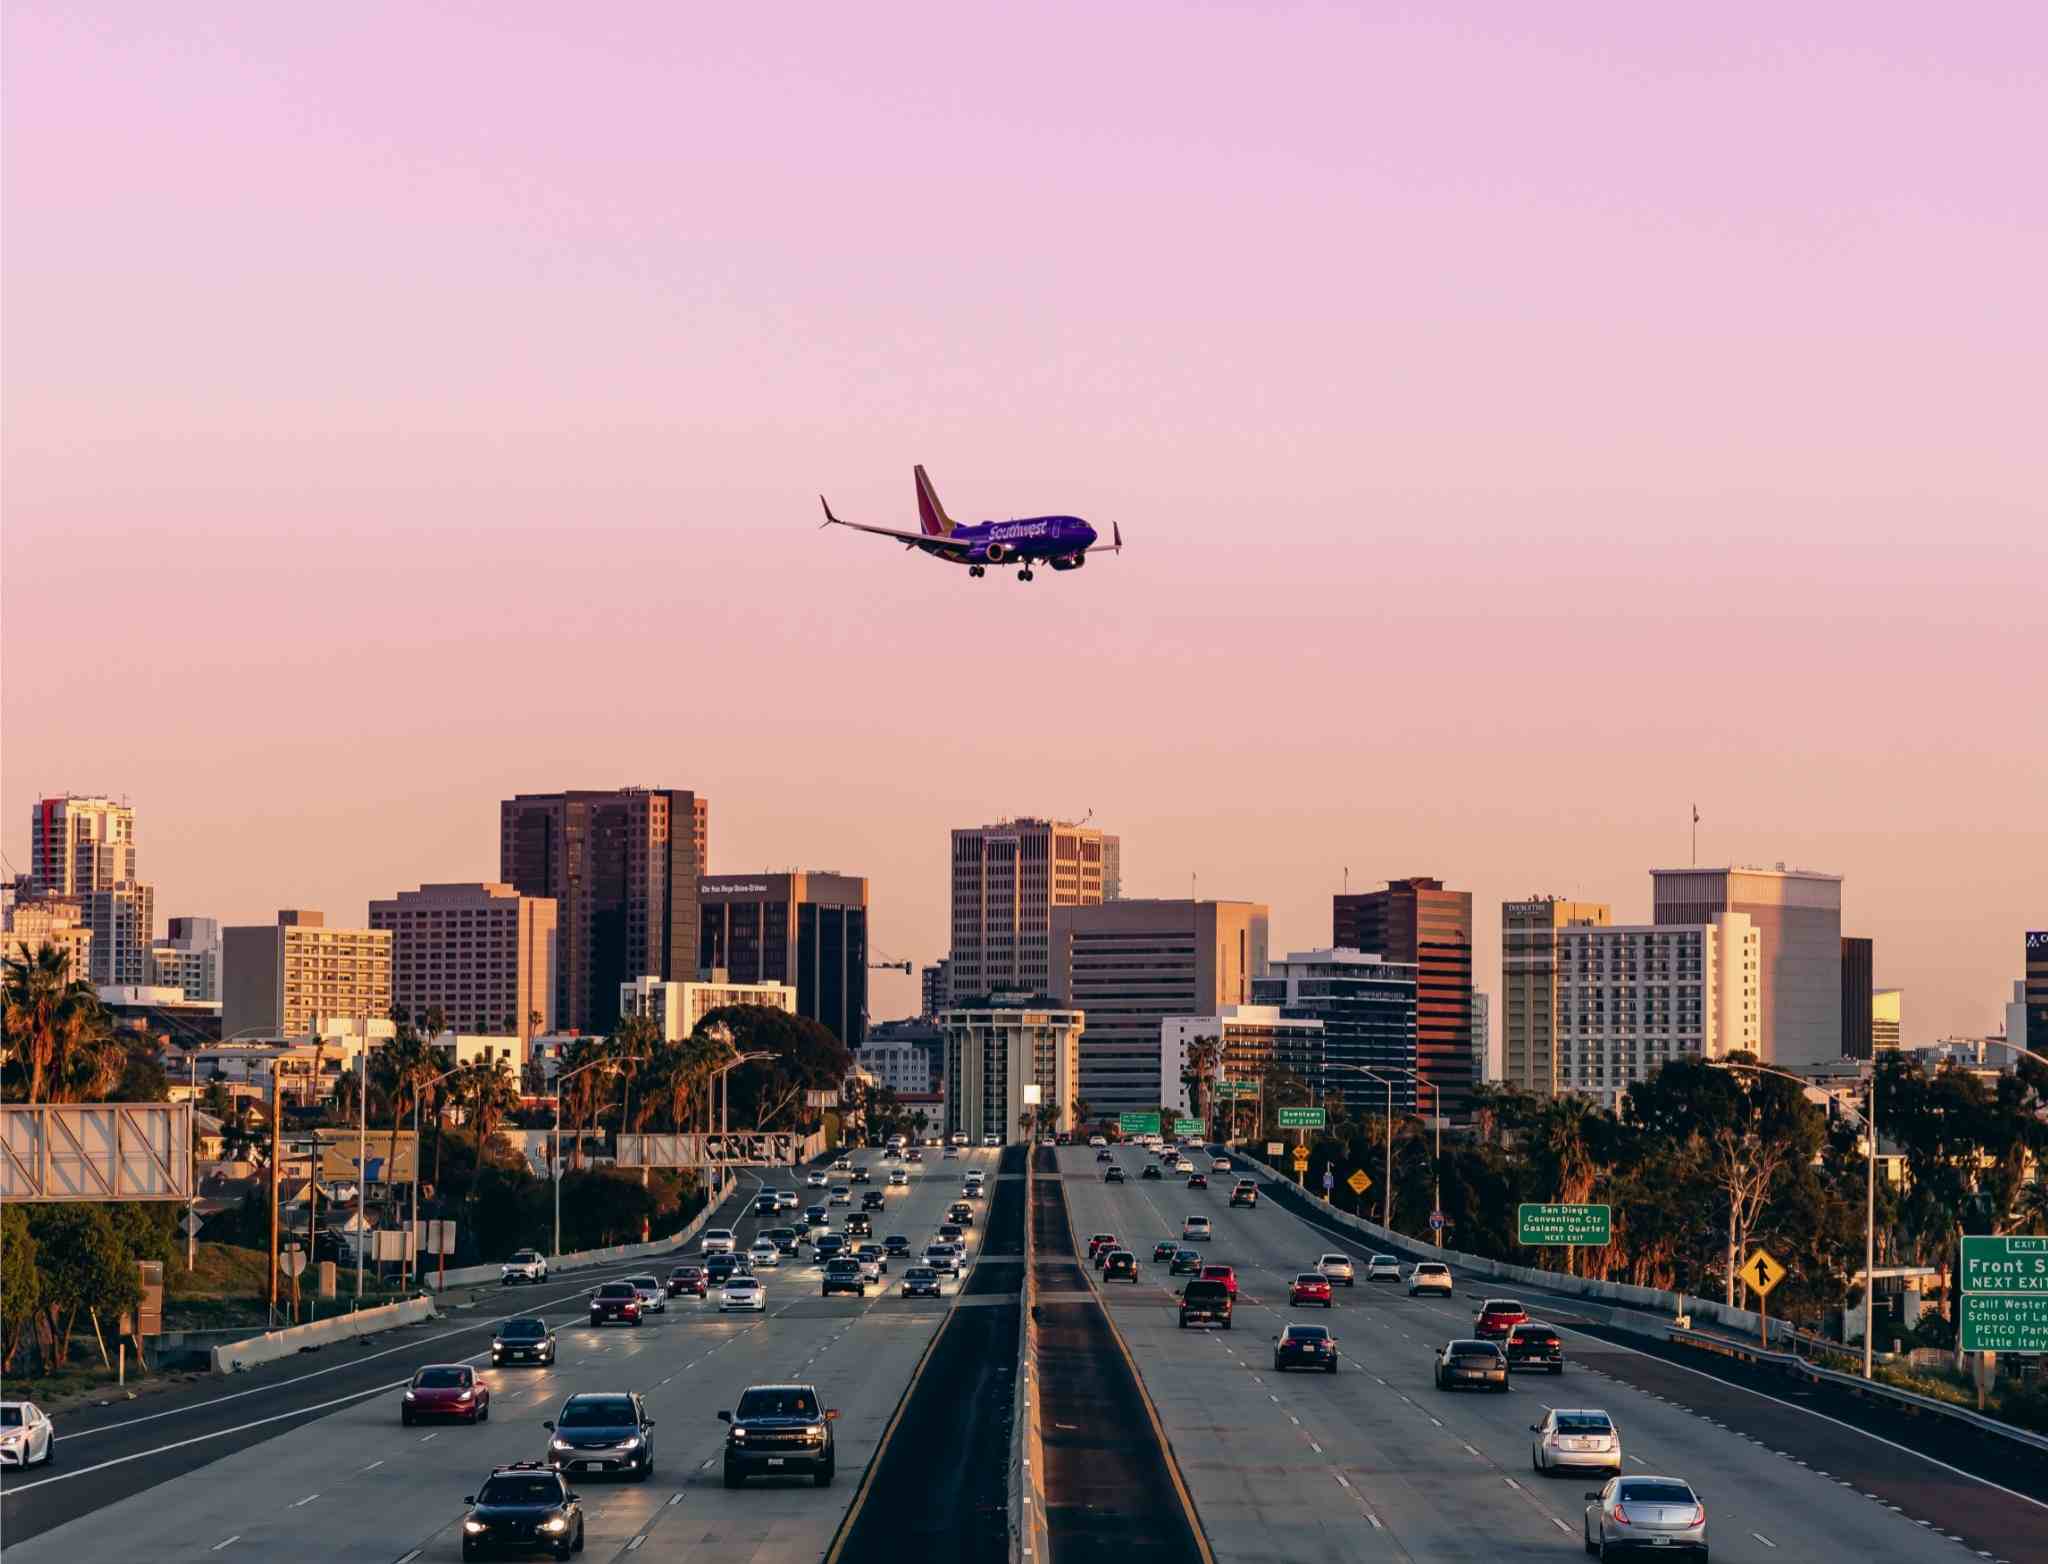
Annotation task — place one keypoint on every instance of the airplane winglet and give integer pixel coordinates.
(830, 519)
(1116, 532)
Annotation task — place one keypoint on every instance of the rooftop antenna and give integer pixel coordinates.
(1347, 879)
(1695, 836)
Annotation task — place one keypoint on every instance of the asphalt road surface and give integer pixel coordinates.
(320, 1469)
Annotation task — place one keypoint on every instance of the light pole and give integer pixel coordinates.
(420, 1092)
(1387, 1175)
(1869, 1121)
(715, 1087)
(1436, 1199)
(561, 1076)
(1999, 1042)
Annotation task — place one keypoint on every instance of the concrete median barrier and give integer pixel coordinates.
(272, 1345)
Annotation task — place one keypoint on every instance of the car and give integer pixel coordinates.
(952, 1233)
(1575, 1438)
(779, 1431)
(898, 1178)
(921, 1281)
(446, 1390)
(1205, 1303)
(787, 1200)
(817, 1218)
(1660, 1515)
(843, 1273)
(859, 1224)
(1105, 1155)
(913, 1155)
(991, 1140)
(842, 1164)
(869, 1259)
(1120, 1266)
(896, 1246)
(1429, 1276)
(603, 1431)
(615, 1301)
(27, 1436)
(859, 1175)
(973, 1189)
(687, 1279)
(1182, 1165)
(1310, 1287)
(1195, 1229)
(842, 1195)
(1185, 1262)
(526, 1265)
(764, 1203)
(1383, 1268)
(1098, 1241)
(743, 1294)
(1219, 1165)
(1305, 1346)
(783, 1238)
(961, 1212)
(653, 1296)
(952, 1154)
(1245, 1193)
(1162, 1251)
(1113, 1174)
(722, 1268)
(977, 1175)
(1337, 1267)
(522, 1508)
(1150, 1170)
(1479, 1364)
(718, 1240)
(765, 1254)
(940, 1258)
(1225, 1274)
(959, 1137)
(1498, 1316)
(1098, 1140)
(1198, 1181)
(524, 1338)
(830, 1246)
(1534, 1345)
(815, 1179)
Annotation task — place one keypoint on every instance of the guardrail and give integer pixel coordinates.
(582, 1259)
(275, 1344)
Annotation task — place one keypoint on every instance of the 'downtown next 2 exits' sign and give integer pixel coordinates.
(2005, 1294)
(1580, 1226)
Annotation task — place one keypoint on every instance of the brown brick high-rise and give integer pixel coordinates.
(1418, 920)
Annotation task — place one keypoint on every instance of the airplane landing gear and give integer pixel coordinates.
(1023, 575)
(976, 570)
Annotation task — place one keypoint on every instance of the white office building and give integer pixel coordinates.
(899, 1067)
(999, 1048)
(677, 1007)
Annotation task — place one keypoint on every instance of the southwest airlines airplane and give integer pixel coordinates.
(1061, 541)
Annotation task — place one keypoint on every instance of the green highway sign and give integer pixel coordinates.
(1237, 1088)
(2005, 1294)
(1187, 1126)
(1301, 1118)
(1138, 1123)
(1582, 1226)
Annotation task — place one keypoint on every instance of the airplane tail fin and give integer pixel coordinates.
(932, 519)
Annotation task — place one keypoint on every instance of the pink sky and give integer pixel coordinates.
(1522, 429)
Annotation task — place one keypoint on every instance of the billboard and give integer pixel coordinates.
(96, 1151)
(779, 1148)
(339, 1149)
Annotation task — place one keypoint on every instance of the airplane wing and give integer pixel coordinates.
(909, 539)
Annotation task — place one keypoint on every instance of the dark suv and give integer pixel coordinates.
(1532, 1345)
(1205, 1303)
(524, 1339)
(526, 1508)
(608, 1431)
(615, 1301)
(779, 1431)
(843, 1275)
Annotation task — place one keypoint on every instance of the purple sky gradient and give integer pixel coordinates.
(1521, 428)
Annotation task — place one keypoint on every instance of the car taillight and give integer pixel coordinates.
(1699, 1515)
(1618, 1515)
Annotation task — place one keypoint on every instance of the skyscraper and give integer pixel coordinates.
(1528, 982)
(1857, 956)
(189, 958)
(1887, 1020)
(2037, 991)
(932, 983)
(56, 921)
(622, 867)
(79, 844)
(1798, 918)
(1128, 965)
(1367, 1008)
(1483, 1068)
(296, 975)
(1417, 920)
(1007, 878)
(807, 928)
(482, 954)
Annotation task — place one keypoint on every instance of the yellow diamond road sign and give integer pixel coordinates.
(1358, 1183)
(1761, 1272)
(1301, 1156)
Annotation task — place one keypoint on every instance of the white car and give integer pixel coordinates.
(27, 1436)
(991, 1140)
(743, 1293)
(786, 1200)
(952, 1153)
(842, 1195)
(718, 1240)
(1097, 1141)
(959, 1137)
(941, 1258)
(816, 1179)
(872, 1265)
(526, 1265)
(1575, 1439)
(898, 1178)
(1195, 1227)
(977, 1175)
(842, 1165)
(1338, 1268)
(764, 1253)
(1383, 1268)
(1220, 1165)
(1430, 1276)
(1182, 1165)
(653, 1296)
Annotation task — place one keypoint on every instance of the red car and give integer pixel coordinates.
(1310, 1287)
(1498, 1316)
(1223, 1274)
(446, 1390)
(1102, 1241)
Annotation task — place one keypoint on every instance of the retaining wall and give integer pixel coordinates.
(272, 1345)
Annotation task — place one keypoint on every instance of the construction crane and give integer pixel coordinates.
(890, 966)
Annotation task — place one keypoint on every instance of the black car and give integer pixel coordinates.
(1185, 1262)
(687, 1279)
(873, 1200)
(525, 1339)
(859, 1175)
(843, 1275)
(828, 1248)
(608, 1431)
(779, 1431)
(961, 1212)
(721, 1268)
(615, 1301)
(783, 1238)
(1533, 1346)
(764, 1205)
(818, 1216)
(859, 1225)
(1205, 1303)
(1162, 1252)
(1104, 1155)
(1150, 1170)
(895, 1245)
(921, 1281)
(526, 1508)
(1113, 1174)
(1305, 1346)
(1479, 1365)
(1121, 1266)
(1198, 1181)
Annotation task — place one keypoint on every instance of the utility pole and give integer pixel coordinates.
(362, 1151)
(276, 1184)
(192, 1174)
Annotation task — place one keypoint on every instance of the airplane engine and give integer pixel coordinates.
(1070, 562)
(997, 553)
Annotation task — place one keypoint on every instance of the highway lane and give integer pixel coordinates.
(1374, 1461)
(351, 1484)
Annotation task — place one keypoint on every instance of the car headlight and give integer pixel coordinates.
(739, 1433)
(409, 1396)
(497, 1346)
(816, 1435)
(559, 1444)
(473, 1527)
(630, 1442)
(554, 1523)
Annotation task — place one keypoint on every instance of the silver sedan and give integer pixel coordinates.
(1647, 1514)
(1575, 1439)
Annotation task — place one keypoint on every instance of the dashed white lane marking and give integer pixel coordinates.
(1315, 1447)
(410, 1557)
(675, 1498)
(1438, 1421)
(300, 1504)
(1376, 1526)
(373, 1466)
(237, 1537)
(1760, 1537)
(1512, 1484)
(1294, 1420)
(634, 1545)
(1560, 1525)
(1470, 1451)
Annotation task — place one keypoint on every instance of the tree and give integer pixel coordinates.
(805, 1056)
(1205, 1059)
(1084, 1114)
(59, 1041)
(489, 1095)
(2030, 1211)
(404, 1063)
(21, 1284)
(84, 1266)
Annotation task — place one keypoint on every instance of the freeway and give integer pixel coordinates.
(1373, 1462)
(337, 1478)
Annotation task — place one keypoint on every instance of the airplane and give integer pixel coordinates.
(1063, 542)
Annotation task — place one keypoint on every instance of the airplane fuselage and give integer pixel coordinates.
(1063, 541)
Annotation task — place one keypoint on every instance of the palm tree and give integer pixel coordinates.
(490, 1094)
(56, 1030)
(2030, 1209)
(580, 1090)
(1084, 1112)
(405, 1062)
(1205, 1056)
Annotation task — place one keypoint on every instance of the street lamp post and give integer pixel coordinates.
(1869, 1122)
(561, 1076)
(1387, 1173)
(1436, 1199)
(419, 1092)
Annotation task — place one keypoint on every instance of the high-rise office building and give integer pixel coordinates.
(677, 1008)
(58, 922)
(1130, 964)
(1483, 1067)
(122, 918)
(480, 953)
(79, 844)
(622, 867)
(808, 929)
(1007, 879)
(1857, 1016)
(1250, 1040)
(1528, 981)
(933, 986)
(1417, 920)
(1887, 1020)
(1367, 1008)
(1112, 868)
(1798, 919)
(997, 1047)
(2036, 981)
(1632, 999)
(297, 975)
(189, 958)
